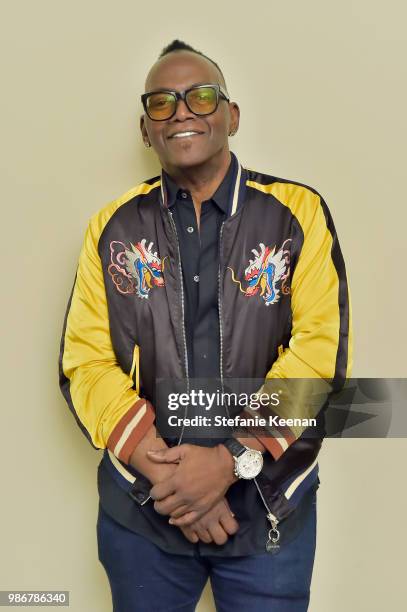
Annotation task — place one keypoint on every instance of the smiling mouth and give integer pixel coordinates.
(186, 134)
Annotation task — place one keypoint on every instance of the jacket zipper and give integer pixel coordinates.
(220, 316)
(183, 322)
(273, 535)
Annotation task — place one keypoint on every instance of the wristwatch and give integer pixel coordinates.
(248, 461)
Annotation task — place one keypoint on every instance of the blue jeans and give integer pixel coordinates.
(143, 578)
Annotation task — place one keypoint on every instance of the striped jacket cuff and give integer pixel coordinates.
(131, 428)
(277, 440)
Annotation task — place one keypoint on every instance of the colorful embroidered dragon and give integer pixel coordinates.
(265, 271)
(135, 269)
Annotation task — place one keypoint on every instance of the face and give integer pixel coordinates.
(179, 71)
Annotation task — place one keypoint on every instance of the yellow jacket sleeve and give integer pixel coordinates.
(100, 394)
(321, 343)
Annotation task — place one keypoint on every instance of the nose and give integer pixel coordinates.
(182, 112)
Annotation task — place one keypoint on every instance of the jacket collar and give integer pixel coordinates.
(231, 191)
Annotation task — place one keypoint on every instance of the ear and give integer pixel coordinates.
(143, 129)
(234, 117)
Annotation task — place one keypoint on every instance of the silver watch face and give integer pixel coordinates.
(249, 464)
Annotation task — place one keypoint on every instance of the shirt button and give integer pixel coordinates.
(196, 278)
(184, 195)
(190, 229)
(204, 355)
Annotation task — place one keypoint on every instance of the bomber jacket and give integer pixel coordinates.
(284, 313)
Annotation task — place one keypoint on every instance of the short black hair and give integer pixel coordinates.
(180, 45)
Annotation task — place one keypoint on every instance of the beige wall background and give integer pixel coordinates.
(322, 91)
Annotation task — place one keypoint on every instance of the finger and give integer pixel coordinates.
(162, 489)
(166, 455)
(204, 535)
(218, 534)
(226, 504)
(187, 519)
(168, 505)
(229, 524)
(190, 534)
(179, 511)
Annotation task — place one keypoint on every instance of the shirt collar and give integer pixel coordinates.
(220, 197)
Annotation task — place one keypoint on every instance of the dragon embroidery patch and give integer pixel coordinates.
(267, 274)
(135, 268)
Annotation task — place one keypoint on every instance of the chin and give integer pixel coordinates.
(190, 158)
(189, 154)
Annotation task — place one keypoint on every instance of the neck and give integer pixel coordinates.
(201, 180)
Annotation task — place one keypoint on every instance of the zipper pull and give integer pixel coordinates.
(272, 545)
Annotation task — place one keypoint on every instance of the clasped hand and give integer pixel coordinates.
(196, 489)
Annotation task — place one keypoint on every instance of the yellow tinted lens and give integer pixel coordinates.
(160, 105)
(202, 100)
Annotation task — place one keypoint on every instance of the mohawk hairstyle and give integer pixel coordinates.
(179, 45)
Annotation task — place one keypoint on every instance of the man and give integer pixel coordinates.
(209, 271)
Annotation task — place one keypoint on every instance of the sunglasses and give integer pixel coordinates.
(199, 99)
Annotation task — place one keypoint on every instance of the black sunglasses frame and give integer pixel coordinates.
(181, 95)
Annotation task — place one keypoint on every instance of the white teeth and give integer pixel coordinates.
(182, 134)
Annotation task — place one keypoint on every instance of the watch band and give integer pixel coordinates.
(234, 447)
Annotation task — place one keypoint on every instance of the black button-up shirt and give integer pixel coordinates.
(200, 265)
(199, 251)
